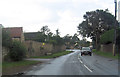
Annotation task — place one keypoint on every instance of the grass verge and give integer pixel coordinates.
(6, 65)
(105, 54)
(54, 55)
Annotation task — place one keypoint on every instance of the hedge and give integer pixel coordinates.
(107, 37)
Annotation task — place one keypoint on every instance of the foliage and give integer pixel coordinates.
(57, 32)
(45, 35)
(95, 24)
(71, 39)
(67, 38)
(107, 37)
(17, 51)
(84, 43)
(40, 37)
(74, 39)
(45, 30)
(58, 40)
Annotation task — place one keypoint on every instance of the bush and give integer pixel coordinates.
(107, 37)
(17, 51)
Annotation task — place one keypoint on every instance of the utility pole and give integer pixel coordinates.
(114, 42)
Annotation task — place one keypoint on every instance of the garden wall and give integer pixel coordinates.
(4, 53)
(107, 48)
(38, 49)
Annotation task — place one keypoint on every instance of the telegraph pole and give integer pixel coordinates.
(114, 42)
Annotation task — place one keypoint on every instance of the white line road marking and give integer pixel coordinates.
(79, 59)
(84, 64)
(88, 68)
(78, 55)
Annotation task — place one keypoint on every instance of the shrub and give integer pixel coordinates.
(107, 37)
(17, 51)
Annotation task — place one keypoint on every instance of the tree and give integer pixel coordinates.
(44, 34)
(95, 24)
(74, 39)
(41, 37)
(58, 40)
(67, 39)
(57, 32)
(45, 30)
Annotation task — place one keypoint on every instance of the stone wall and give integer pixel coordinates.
(107, 48)
(4, 53)
(37, 49)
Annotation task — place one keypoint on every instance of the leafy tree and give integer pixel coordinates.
(57, 32)
(74, 39)
(58, 40)
(49, 36)
(45, 35)
(45, 30)
(67, 38)
(95, 24)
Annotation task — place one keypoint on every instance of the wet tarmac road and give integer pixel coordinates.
(74, 64)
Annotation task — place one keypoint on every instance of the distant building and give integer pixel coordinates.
(16, 33)
(31, 35)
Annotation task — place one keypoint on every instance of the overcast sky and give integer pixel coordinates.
(64, 15)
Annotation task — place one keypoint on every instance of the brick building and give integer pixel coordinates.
(16, 33)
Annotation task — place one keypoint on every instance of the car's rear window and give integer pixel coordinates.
(85, 48)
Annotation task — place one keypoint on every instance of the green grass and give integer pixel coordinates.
(17, 64)
(105, 54)
(54, 55)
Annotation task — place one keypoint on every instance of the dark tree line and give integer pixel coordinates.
(45, 35)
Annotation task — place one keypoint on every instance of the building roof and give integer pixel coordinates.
(15, 32)
(31, 35)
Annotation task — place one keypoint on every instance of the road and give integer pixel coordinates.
(74, 64)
